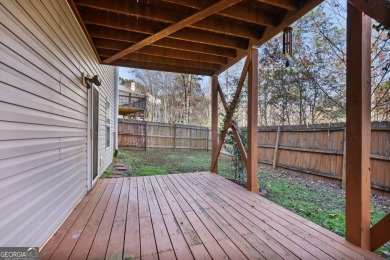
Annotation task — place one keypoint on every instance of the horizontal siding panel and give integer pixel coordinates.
(43, 119)
(79, 96)
(67, 77)
(16, 165)
(11, 41)
(22, 83)
(14, 60)
(16, 113)
(36, 34)
(75, 34)
(15, 148)
(21, 181)
(52, 217)
(80, 150)
(14, 201)
(17, 225)
(36, 75)
(71, 141)
(11, 130)
(50, 37)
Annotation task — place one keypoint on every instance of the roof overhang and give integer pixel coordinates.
(201, 37)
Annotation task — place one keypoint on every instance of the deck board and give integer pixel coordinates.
(189, 216)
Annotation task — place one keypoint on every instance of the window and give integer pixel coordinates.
(108, 125)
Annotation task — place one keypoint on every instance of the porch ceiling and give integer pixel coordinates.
(202, 37)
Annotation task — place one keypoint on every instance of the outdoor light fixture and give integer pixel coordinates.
(89, 80)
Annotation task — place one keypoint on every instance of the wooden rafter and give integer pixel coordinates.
(239, 12)
(223, 4)
(232, 108)
(132, 37)
(158, 59)
(290, 5)
(162, 67)
(234, 129)
(133, 24)
(161, 60)
(378, 235)
(168, 16)
(273, 31)
(221, 29)
(162, 52)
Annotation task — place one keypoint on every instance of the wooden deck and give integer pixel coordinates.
(186, 216)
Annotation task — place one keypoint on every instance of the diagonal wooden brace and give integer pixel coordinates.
(234, 128)
(378, 235)
(230, 111)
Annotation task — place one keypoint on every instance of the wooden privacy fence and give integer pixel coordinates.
(320, 150)
(145, 135)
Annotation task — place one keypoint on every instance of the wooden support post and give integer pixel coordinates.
(277, 142)
(252, 179)
(343, 177)
(214, 123)
(358, 173)
(174, 137)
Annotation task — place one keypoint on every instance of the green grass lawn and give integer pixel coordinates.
(320, 202)
(146, 163)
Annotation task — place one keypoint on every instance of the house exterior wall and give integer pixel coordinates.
(43, 118)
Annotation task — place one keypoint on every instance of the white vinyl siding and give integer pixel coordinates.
(43, 118)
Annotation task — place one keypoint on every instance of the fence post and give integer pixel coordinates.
(146, 135)
(174, 137)
(344, 158)
(277, 142)
(207, 139)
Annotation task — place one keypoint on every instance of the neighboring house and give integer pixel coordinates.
(132, 103)
(56, 136)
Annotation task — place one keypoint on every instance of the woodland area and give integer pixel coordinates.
(307, 87)
(184, 100)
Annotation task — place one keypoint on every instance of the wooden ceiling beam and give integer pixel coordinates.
(161, 67)
(186, 55)
(210, 38)
(270, 32)
(239, 12)
(289, 5)
(231, 28)
(129, 23)
(160, 60)
(213, 24)
(377, 9)
(215, 8)
(132, 37)
(161, 51)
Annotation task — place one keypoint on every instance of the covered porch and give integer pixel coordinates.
(189, 216)
(202, 215)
